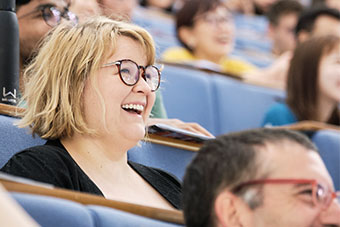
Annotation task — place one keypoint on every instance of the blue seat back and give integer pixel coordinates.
(241, 106)
(54, 212)
(172, 160)
(188, 96)
(107, 217)
(328, 143)
(14, 139)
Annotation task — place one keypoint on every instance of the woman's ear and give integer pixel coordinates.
(187, 36)
(231, 210)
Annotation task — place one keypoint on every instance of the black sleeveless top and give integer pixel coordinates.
(52, 164)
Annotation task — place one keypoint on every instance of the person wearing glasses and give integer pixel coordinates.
(261, 177)
(205, 29)
(35, 19)
(89, 92)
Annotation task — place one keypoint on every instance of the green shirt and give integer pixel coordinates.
(158, 109)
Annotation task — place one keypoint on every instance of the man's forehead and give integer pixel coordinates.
(291, 160)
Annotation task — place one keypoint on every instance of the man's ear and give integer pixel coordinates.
(231, 211)
(187, 36)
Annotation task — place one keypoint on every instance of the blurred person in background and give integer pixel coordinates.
(85, 8)
(283, 17)
(122, 9)
(206, 30)
(312, 22)
(35, 19)
(313, 86)
(316, 22)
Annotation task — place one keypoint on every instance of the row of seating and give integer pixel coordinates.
(52, 211)
(219, 103)
(173, 160)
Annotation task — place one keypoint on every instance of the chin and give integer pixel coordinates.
(135, 134)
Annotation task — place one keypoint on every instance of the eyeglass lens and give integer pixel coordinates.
(324, 197)
(215, 20)
(52, 16)
(151, 76)
(130, 72)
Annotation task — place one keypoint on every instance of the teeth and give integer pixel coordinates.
(133, 107)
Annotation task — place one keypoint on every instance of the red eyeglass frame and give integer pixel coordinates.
(330, 195)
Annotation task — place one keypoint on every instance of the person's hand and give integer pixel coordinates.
(279, 69)
(273, 76)
(192, 127)
(11, 213)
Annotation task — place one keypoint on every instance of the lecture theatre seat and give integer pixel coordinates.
(328, 143)
(240, 106)
(170, 159)
(188, 96)
(221, 104)
(108, 217)
(56, 212)
(14, 139)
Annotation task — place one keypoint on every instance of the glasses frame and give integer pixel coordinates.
(139, 67)
(330, 195)
(62, 14)
(213, 20)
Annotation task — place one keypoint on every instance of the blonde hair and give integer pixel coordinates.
(68, 57)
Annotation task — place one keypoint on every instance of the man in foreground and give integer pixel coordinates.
(264, 177)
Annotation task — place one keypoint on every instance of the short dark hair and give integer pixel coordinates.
(224, 163)
(302, 79)
(145, 3)
(19, 3)
(318, 3)
(186, 15)
(308, 17)
(283, 7)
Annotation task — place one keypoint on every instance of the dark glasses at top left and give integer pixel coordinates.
(52, 15)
